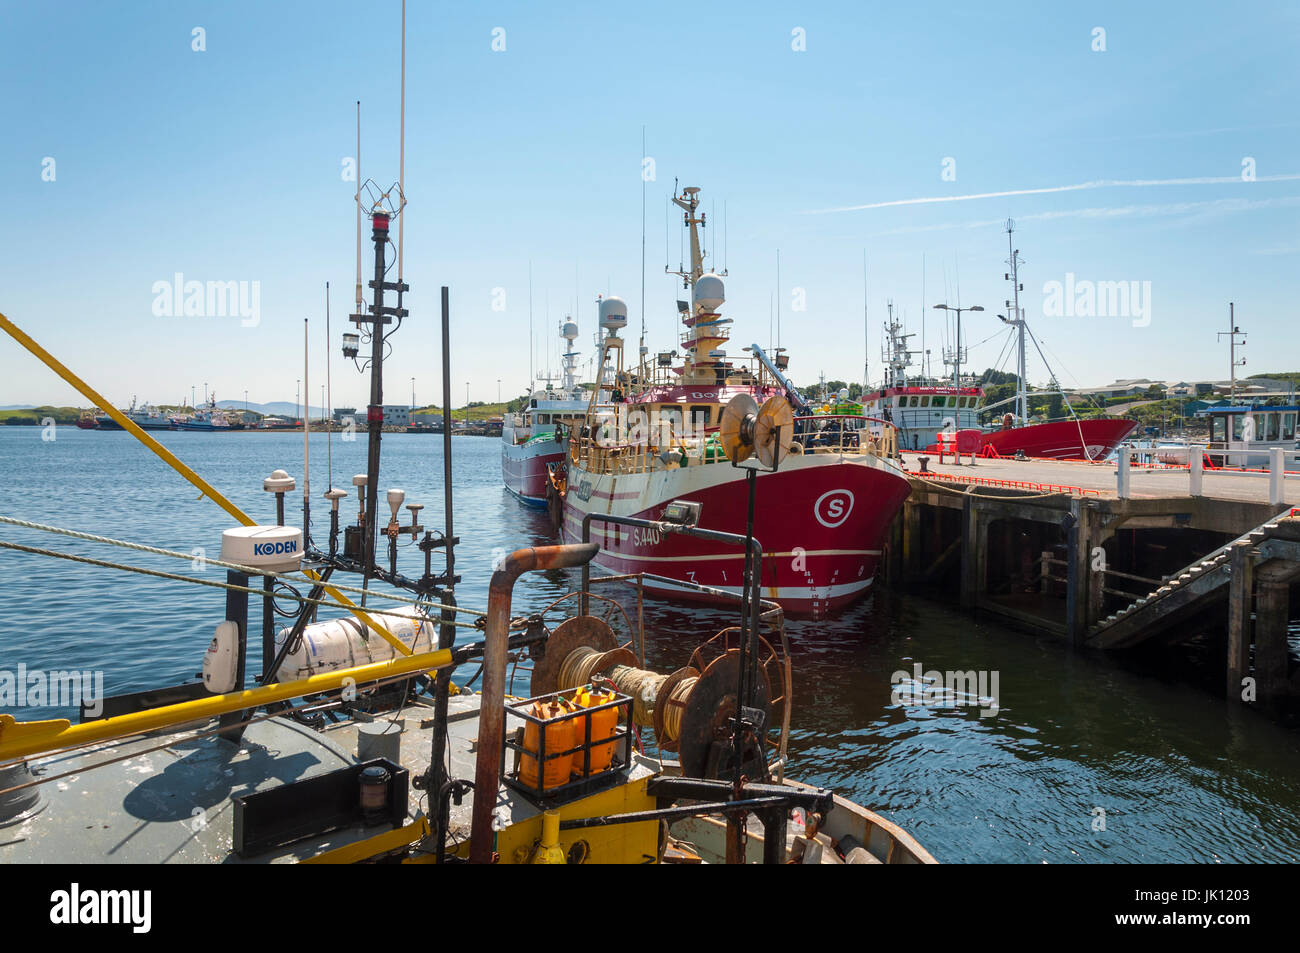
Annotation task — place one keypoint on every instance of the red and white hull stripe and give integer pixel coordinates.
(524, 468)
(821, 519)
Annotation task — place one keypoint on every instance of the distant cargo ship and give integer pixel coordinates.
(146, 418)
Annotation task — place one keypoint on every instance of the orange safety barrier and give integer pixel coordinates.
(1007, 484)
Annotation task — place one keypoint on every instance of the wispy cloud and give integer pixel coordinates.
(1291, 248)
(1210, 207)
(1078, 187)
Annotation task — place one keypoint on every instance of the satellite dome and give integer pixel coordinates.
(613, 313)
(709, 293)
(570, 331)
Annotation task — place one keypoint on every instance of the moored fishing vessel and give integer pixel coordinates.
(923, 408)
(821, 518)
(146, 418)
(535, 439)
(208, 419)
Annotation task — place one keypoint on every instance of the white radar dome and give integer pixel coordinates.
(709, 293)
(275, 548)
(613, 313)
(569, 332)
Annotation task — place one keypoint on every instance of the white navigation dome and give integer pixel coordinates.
(570, 331)
(613, 313)
(709, 293)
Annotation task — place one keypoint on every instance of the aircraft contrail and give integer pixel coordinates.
(1097, 184)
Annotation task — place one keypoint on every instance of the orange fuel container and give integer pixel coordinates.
(559, 737)
(604, 724)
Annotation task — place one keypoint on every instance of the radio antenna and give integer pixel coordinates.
(306, 433)
(866, 347)
(532, 375)
(329, 398)
(401, 155)
(643, 351)
(358, 196)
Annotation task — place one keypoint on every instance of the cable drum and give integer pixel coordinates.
(577, 667)
(674, 705)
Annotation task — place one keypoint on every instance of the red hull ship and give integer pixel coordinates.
(528, 477)
(923, 408)
(821, 528)
(537, 438)
(821, 517)
(1093, 439)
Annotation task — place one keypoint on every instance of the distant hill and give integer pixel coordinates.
(476, 412)
(1291, 377)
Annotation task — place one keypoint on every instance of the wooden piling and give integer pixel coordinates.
(1241, 564)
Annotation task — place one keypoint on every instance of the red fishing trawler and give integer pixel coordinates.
(650, 441)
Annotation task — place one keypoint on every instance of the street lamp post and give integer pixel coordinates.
(957, 354)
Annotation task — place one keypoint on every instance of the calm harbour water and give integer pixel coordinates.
(1180, 776)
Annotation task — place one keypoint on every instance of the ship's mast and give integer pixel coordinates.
(1232, 334)
(569, 332)
(688, 202)
(895, 354)
(1017, 320)
(707, 328)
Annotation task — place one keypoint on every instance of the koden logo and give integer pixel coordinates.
(275, 549)
(833, 507)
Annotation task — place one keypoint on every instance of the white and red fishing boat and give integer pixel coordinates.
(536, 439)
(922, 407)
(821, 518)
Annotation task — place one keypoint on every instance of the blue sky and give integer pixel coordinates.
(225, 165)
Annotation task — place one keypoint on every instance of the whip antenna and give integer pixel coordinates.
(401, 152)
(329, 398)
(358, 197)
(306, 433)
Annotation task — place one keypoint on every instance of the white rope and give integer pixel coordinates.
(249, 570)
(105, 564)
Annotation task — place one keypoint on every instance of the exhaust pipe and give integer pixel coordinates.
(491, 714)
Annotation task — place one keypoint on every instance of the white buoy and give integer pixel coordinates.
(344, 643)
